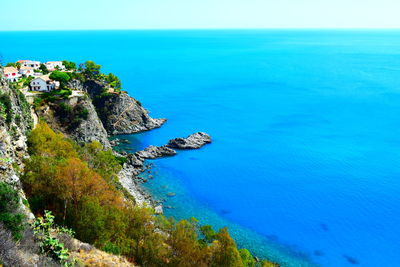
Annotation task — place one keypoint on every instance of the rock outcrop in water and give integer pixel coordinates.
(193, 141)
(125, 115)
(153, 152)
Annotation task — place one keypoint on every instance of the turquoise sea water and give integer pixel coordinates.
(304, 167)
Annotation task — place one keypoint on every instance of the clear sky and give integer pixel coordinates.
(189, 14)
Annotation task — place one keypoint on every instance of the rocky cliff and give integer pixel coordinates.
(15, 122)
(120, 113)
(64, 116)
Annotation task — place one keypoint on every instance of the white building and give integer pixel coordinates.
(30, 63)
(44, 84)
(26, 71)
(11, 74)
(52, 65)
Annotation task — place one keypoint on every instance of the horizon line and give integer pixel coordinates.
(200, 29)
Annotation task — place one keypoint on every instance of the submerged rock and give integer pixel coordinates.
(351, 259)
(193, 141)
(153, 152)
(115, 142)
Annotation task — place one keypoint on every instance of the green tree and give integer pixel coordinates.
(18, 65)
(91, 69)
(100, 160)
(43, 141)
(11, 64)
(225, 252)
(145, 244)
(186, 249)
(43, 69)
(60, 76)
(247, 259)
(69, 65)
(114, 82)
(208, 233)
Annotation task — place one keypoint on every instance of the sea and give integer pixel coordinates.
(304, 167)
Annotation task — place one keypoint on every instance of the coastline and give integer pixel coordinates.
(136, 164)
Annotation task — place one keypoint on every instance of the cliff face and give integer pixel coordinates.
(15, 122)
(120, 113)
(83, 130)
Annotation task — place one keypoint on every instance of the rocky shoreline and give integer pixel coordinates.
(135, 164)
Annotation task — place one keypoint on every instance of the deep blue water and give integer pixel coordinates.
(305, 163)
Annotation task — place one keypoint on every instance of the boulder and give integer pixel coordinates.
(153, 152)
(193, 141)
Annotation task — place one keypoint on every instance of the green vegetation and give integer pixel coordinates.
(69, 65)
(91, 69)
(78, 185)
(43, 69)
(114, 82)
(9, 204)
(11, 64)
(5, 107)
(46, 233)
(25, 109)
(26, 81)
(61, 77)
(71, 116)
(54, 96)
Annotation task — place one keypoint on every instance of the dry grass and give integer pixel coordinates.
(97, 258)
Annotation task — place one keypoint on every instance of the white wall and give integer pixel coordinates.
(40, 85)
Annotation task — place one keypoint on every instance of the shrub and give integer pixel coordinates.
(9, 203)
(46, 233)
(5, 107)
(112, 248)
(38, 102)
(121, 160)
(64, 112)
(81, 112)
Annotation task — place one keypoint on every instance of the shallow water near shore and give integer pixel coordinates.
(304, 164)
